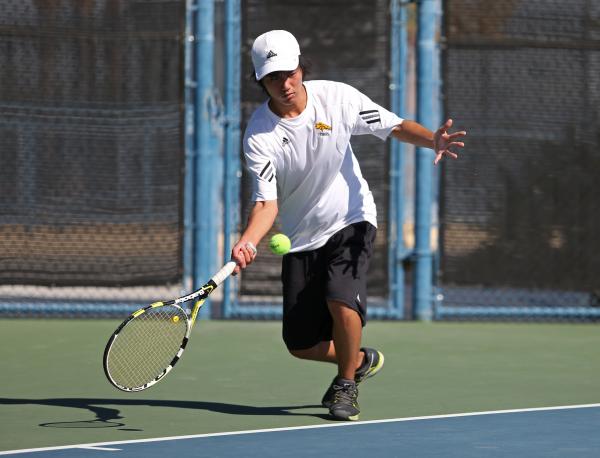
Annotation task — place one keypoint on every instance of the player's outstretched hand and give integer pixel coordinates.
(443, 141)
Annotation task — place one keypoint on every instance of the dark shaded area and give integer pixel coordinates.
(520, 209)
(91, 122)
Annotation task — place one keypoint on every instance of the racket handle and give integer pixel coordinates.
(228, 268)
(225, 272)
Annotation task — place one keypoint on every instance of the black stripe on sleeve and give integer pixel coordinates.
(373, 120)
(367, 112)
(265, 169)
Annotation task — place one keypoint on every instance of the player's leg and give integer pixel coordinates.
(350, 253)
(368, 359)
(347, 334)
(308, 325)
(323, 352)
(336, 271)
(306, 322)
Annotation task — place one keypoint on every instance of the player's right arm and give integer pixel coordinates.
(259, 154)
(261, 219)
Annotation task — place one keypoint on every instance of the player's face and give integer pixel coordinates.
(285, 88)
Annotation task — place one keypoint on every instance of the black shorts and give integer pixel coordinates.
(336, 271)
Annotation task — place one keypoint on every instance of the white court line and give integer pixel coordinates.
(97, 445)
(93, 447)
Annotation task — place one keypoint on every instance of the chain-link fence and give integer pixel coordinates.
(91, 116)
(92, 147)
(520, 209)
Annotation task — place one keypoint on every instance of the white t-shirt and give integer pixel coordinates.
(306, 163)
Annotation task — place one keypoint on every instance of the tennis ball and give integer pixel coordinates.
(175, 319)
(280, 244)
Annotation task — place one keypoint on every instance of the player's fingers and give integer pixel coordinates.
(239, 257)
(243, 254)
(249, 252)
(252, 249)
(241, 260)
(447, 125)
(454, 135)
(457, 144)
(440, 155)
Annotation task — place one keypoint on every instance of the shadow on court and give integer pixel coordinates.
(107, 417)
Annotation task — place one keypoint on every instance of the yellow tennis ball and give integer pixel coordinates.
(280, 244)
(175, 319)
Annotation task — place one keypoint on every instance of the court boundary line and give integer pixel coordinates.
(97, 445)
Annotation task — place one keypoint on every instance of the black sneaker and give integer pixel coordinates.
(344, 405)
(372, 364)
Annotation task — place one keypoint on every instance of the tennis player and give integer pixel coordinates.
(298, 154)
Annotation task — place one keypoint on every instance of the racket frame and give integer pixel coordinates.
(200, 295)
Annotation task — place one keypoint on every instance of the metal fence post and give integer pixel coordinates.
(428, 87)
(397, 250)
(190, 150)
(207, 180)
(233, 173)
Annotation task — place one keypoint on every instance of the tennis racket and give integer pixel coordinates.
(147, 345)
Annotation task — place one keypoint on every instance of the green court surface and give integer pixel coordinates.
(237, 376)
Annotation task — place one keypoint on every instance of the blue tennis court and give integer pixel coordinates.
(561, 432)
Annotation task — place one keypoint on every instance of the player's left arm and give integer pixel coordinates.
(439, 141)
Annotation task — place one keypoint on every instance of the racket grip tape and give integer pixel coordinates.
(225, 272)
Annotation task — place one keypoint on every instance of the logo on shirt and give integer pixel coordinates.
(323, 129)
(285, 141)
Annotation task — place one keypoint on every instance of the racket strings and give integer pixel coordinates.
(146, 346)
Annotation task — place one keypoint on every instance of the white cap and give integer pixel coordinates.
(275, 51)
